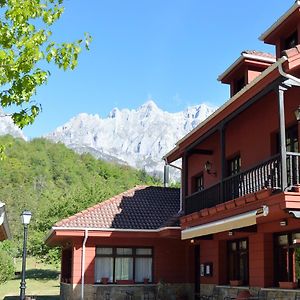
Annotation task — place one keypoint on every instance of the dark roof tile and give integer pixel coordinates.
(143, 207)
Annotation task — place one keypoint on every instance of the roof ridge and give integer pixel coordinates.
(258, 53)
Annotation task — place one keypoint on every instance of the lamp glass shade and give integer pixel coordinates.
(297, 113)
(25, 217)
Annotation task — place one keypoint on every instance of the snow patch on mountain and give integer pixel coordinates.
(138, 137)
(7, 126)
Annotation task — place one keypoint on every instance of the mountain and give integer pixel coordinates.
(138, 137)
(7, 126)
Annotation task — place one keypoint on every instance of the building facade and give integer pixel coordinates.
(241, 170)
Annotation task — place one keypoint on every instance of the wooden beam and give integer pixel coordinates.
(201, 152)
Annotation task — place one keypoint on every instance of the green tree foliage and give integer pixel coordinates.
(54, 182)
(6, 266)
(25, 43)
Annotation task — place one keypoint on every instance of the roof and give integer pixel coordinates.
(4, 228)
(259, 53)
(143, 207)
(279, 22)
(253, 55)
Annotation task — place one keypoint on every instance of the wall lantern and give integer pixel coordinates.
(297, 113)
(207, 168)
(230, 233)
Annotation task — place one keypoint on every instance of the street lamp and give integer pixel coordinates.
(25, 217)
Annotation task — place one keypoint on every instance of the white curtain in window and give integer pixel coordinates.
(143, 269)
(124, 268)
(104, 268)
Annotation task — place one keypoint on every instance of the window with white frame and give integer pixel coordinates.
(123, 263)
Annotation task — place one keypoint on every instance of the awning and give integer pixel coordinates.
(239, 221)
(295, 213)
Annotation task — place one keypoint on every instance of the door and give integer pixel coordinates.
(197, 271)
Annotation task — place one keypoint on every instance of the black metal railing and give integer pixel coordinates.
(265, 175)
(293, 168)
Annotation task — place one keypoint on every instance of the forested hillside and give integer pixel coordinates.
(53, 182)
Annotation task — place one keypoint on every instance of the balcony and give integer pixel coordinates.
(265, 175)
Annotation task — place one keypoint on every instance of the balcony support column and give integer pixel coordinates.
(281, 90)
(184, 179)
(223, 161)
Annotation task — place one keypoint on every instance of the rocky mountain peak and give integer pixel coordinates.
(138, 137)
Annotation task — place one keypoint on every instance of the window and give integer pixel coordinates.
(198, 184)
(291, 41)
(238, 268)
(234, 165)
(287, 257)
(123, 263)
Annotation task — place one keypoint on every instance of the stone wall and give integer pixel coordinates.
(220, 292)
(133, 292)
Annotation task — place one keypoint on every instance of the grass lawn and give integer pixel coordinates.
(41, 281)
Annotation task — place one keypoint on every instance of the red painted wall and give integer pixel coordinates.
(171, 258)
(252, 134)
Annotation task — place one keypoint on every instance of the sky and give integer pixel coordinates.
(171, 51)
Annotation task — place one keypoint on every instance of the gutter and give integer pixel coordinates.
(279, 21)
(286, 75)
(106, 230)
(241, 58)
(86, 234)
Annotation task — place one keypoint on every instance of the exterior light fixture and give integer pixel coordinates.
(25, 218)
(207, 168)
(192, 241)
(297, 113)
(230, 233)
(283, 223)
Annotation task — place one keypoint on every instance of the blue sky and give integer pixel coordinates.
(169, 50)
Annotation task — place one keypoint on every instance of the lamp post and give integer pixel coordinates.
(25, 217)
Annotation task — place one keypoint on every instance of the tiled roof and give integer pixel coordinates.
(143, 207)
(258, 53)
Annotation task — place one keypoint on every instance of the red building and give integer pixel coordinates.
(240, 209)
(127, 245)
(4, 229)
(241, 169)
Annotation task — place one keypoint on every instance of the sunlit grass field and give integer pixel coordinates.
(42, 282)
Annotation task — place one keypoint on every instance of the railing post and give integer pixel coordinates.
(283, 156)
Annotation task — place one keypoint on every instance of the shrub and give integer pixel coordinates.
(6, 266)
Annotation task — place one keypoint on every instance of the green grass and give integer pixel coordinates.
(42, 281)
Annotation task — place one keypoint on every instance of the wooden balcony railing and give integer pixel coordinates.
(265, 175)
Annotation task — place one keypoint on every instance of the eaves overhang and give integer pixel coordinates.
(4, 222)
(212, 121)
(264, 36)
(252, 57)
(79, 230)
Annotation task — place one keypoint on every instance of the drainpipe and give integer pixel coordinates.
(86, 232)
(181, 178)
(286, 75)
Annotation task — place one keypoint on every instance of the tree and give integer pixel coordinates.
(25, 43)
